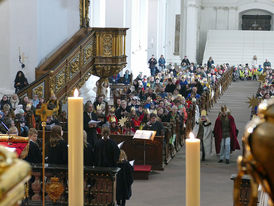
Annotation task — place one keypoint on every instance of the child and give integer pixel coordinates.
(124, 180)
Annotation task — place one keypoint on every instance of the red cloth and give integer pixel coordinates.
(142, 168)
(234, 144)
(19, 146)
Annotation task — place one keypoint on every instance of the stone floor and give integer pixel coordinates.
(168, 187)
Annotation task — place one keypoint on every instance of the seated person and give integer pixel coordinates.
(155, 125)
(106, 151)
(32, 153)
(57, 148)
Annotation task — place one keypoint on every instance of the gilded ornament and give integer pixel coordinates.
(74, 65)
(60, 80)
(55, 189)
(107, 45)
(258, 159)
(39, 90)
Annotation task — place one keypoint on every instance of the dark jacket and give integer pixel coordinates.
(170, 88)
(58, 154)
(91, 132)
(88, 155)
(34, 153)
(124, 181)
(106, 153)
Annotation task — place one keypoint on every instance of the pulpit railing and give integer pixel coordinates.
(99, 186)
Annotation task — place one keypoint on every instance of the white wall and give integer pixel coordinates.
(5, 78)
(223, 14)
(172, 9)
(58, 20)
(38, 27)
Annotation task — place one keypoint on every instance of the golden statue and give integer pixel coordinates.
(258, 159)
(12, 185)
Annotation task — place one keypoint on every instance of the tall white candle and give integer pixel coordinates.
(75, 150)
(192, 171)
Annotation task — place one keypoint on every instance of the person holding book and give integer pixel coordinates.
(124, 179)
(155, 125)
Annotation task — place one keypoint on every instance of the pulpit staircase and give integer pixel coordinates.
(90, 51)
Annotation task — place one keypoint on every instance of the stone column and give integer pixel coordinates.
(189, 29)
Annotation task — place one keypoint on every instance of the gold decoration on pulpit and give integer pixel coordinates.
(39, 90)
(74, 65)
(258, 159)
(122, 121)
(84, 12)
(44, 112)
(88, 53)
(60, 80)
(107, 45)
(253, 101)
(55, 189)
(14, 174)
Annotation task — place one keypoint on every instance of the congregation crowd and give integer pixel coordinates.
(145, 102)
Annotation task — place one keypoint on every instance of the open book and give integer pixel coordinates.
(144, 134)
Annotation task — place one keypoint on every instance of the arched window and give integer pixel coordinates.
(256, 19)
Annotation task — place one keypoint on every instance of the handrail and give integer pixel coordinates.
(97, 51)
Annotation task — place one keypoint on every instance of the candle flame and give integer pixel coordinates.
(191, 135)
(76, 93)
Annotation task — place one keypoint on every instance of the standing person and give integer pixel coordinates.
(32, 153)
(57, 149)
(267, 64)
(162, 63)
(124, 179)
(152, 65)
(185, 61)
(210, 62)
(20, 81)
(106, 151)
(225, 135)
(205, 135)
(89, 127)
(88, 151)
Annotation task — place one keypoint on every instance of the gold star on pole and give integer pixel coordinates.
(253, 101)
(122, 122)
(262, 77)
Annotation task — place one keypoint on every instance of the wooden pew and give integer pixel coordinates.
(134, 149)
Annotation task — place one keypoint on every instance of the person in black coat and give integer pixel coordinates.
(20, 81)
(186, 61)
(88, 151)
(88, 127)
(33, 153)
(106, 151)
(170, 87)
(155, 125)
(57, 148)
(124, 180)
(4, 101)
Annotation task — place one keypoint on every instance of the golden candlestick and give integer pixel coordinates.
(44, 113)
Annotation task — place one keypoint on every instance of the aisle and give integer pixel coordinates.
(167, 188)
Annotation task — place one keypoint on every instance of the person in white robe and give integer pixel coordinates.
(205, 135)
